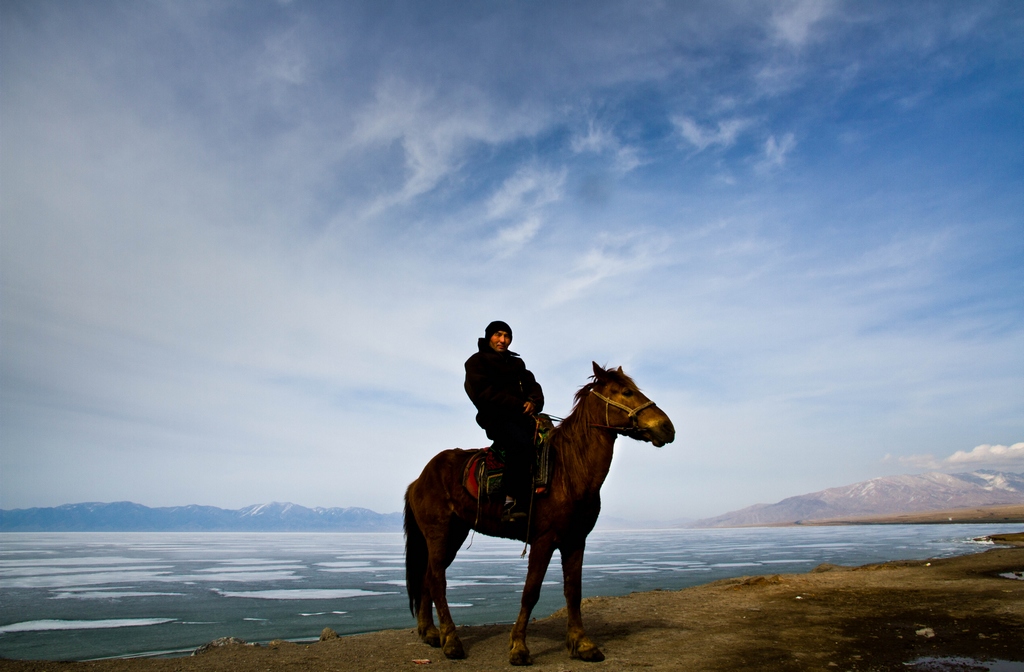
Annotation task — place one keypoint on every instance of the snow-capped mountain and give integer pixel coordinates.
(888, 495)
(131, 517)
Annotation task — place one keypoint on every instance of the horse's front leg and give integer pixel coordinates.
(540, 557)
(576, 640)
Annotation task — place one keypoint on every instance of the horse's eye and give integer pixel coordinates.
(628, 393)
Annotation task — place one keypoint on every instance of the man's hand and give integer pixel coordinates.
(528, 408)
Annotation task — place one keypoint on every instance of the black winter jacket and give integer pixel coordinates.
(499, 384)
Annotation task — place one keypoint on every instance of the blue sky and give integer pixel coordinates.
(247, 246)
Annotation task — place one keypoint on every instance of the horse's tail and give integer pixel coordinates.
(415, 557)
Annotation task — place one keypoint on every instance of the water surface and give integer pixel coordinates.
(91, 595)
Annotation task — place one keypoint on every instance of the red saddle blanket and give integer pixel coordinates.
(483, 467)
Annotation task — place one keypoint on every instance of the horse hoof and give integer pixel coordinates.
(593, 655)
(432, 638)
(520, 657)
(453, 649)
(586, 651)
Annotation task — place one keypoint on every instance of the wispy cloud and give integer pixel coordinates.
(776, 151)
(600, 140)
(529, 189)
(513, 238)
(723, 134)
(435, 129)
(609, 259)
(793, 21)
(596, 139)
(522, 198)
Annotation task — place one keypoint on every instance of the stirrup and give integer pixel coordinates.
(509, 512)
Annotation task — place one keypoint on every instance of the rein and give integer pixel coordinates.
(632, 414)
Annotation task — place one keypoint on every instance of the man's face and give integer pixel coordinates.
(500, 341)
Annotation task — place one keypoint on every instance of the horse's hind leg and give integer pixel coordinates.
(425, 627)
(442, 547)
(576, 640)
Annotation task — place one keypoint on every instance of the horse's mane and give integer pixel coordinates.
(574, 430)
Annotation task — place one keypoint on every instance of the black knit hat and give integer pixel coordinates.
(495, 327)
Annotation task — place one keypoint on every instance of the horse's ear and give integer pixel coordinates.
(620, 370)
(599, 373)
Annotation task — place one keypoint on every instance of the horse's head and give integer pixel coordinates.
(626, 409)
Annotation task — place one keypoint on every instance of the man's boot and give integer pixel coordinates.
(517, 505)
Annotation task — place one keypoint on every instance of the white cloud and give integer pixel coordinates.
(435, 129)
(597, 139)
(775, 151)
(528, 190)
(607, 260)
(627, 158)
(985, 454)
(523, 197)
(792, 23)
(724, 134)
(513, 238)
(601, 140)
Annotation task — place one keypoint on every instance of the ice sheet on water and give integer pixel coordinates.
(304, 593)
(252, 562)
(67, 562)
(489, 577)
(239, 577)
(787, 561)
(59, 581)
(56, 624)
(48, 570)
(72, 580)
(360, 570)
(251, 568)
(107, 594)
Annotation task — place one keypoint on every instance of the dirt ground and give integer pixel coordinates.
(876, 617)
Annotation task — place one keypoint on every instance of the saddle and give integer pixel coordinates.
(485, 468)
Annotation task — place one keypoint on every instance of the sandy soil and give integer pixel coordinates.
(875, 617)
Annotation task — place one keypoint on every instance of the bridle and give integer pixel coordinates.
(632, 414)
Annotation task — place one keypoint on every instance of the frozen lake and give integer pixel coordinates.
(92, 595)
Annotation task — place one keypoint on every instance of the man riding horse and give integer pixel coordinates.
(506, 396)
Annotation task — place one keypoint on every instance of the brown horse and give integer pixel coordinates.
(439, 513)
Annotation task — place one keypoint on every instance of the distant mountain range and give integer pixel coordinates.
(883, 496)
(131, 517)
(890, 495)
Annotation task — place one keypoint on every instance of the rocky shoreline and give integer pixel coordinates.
(875, 617)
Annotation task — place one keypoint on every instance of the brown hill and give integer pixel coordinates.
(886, 496)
